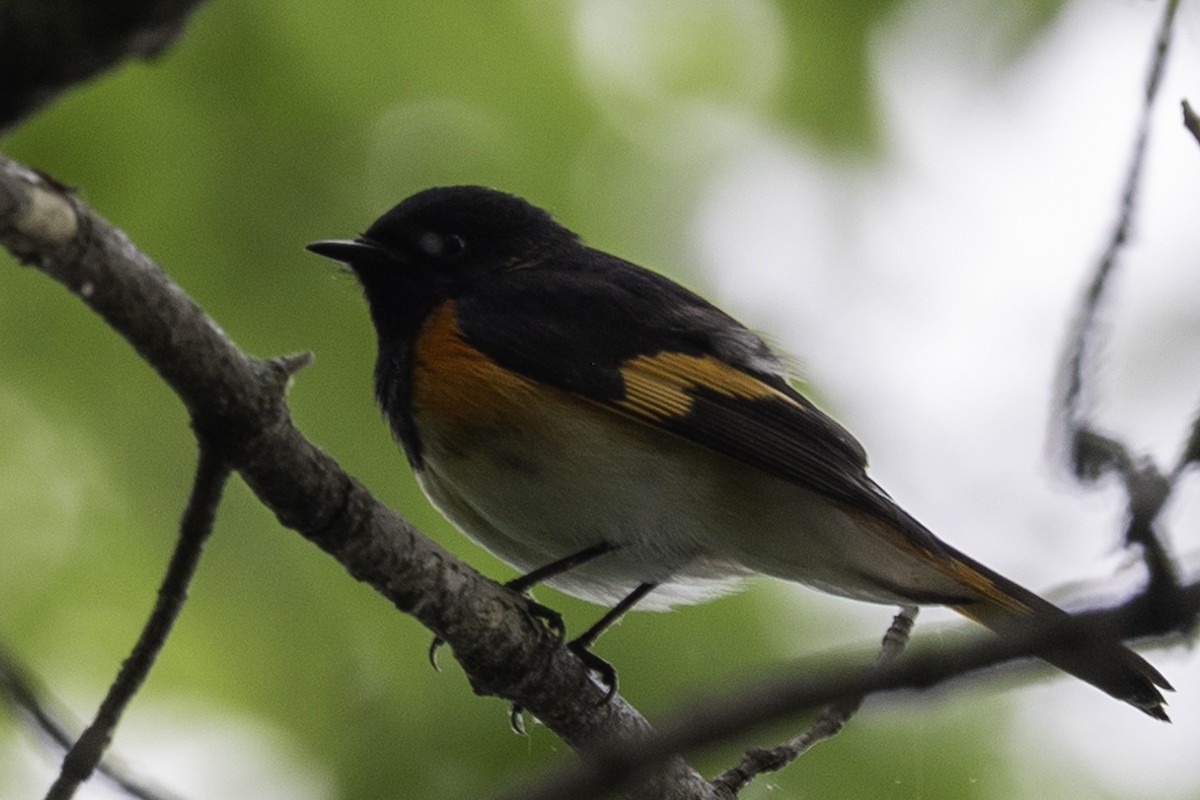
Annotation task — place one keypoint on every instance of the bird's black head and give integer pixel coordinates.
(439, 241)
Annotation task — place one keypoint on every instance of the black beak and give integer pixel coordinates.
(350, 251)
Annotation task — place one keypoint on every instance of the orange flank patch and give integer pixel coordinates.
(659, 386)
(456, 383)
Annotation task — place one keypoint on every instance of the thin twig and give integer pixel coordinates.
(1089, 461)
(1190, 120)
(212, 473)
(23, 692)
(828, 724)
(1094, 453)
(1191, 450)
(609, 770)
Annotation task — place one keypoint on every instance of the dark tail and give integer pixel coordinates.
(1111, 668)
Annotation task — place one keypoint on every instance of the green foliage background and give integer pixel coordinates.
(270, 125)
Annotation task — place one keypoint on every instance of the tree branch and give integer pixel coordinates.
(614, 769)
(238, 401)
(1092, 453)
(1191, 120)
(23, 693)
(829, 722)
(47, 46)
(212, 473)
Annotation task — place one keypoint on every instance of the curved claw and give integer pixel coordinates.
(606, 672)
(433, 648)
(516, 719)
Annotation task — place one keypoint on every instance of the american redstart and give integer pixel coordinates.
(618, 437)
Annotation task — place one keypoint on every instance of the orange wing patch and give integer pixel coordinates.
(659, 386)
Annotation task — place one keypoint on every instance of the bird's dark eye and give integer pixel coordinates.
(441, 246)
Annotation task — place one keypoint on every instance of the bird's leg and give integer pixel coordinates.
(544, 573)
(580, 644)
(530, 579)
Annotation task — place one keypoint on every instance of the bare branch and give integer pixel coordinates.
(708, 722)
(829, 722)
(48, 45)
(1191, 450)
(237, 401)
(212, 473)
(1190, 120)
(1092, 453)
(22, 692)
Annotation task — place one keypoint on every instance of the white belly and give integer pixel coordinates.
(533, 497)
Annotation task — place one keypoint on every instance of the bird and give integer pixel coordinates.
(608, 432)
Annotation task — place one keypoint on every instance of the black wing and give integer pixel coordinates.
(642, 345)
